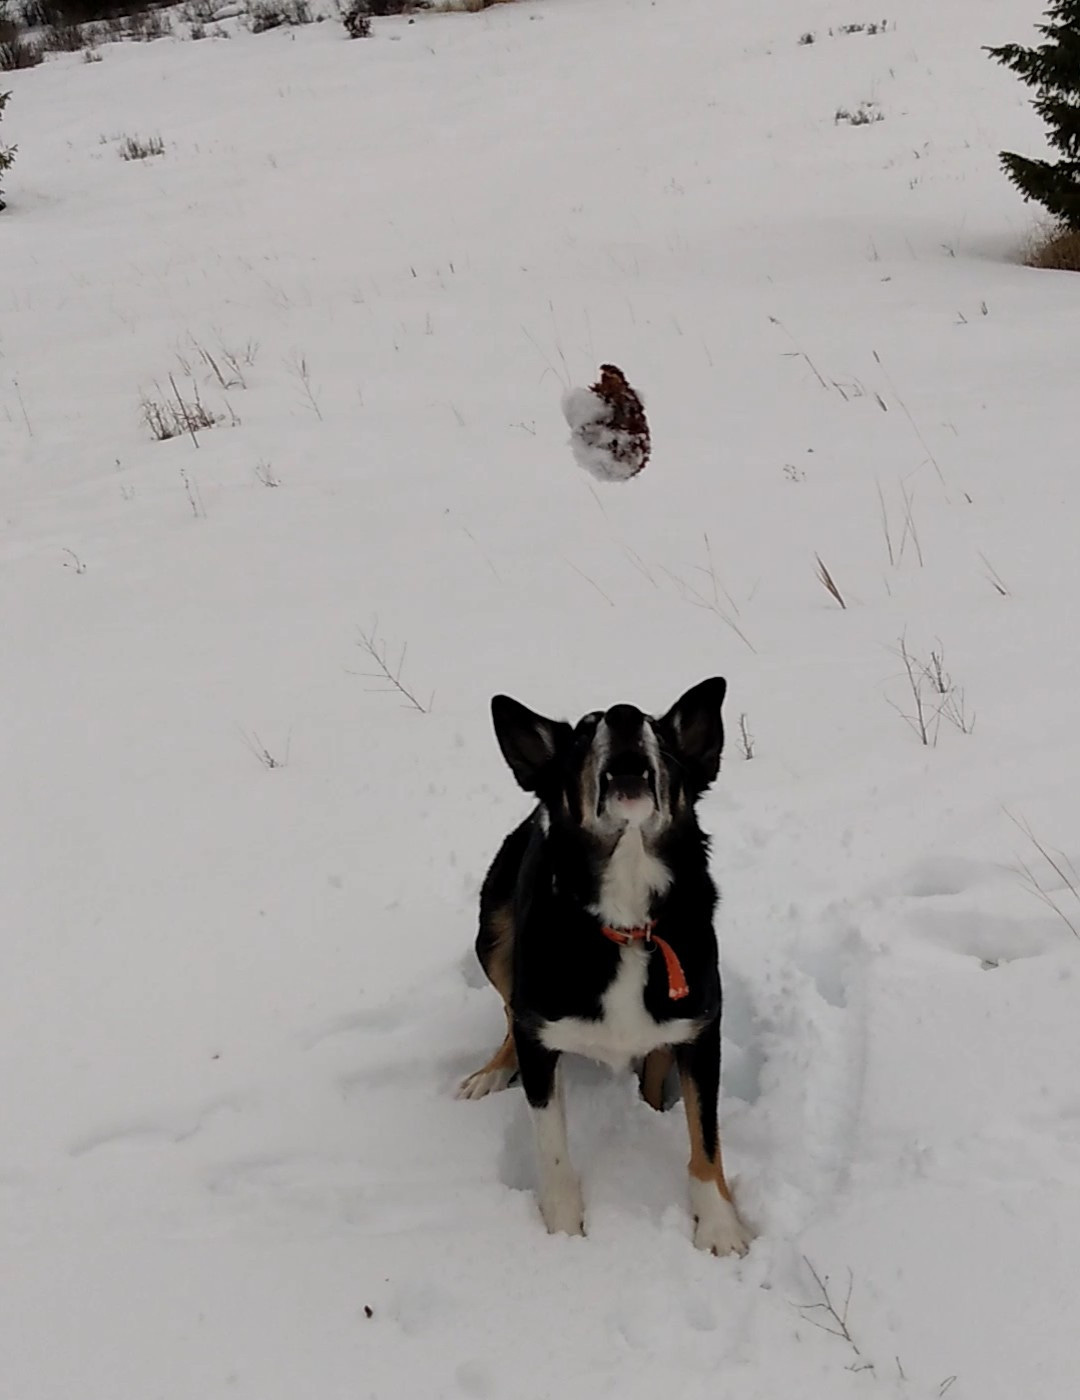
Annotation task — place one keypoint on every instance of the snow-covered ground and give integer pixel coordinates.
(235, 998)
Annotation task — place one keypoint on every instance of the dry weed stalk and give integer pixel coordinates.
(262, 753)
(826, 579)
(993, 577)
(914, 426)
(711, 601)
(935, 696)
(837, 1323)
(376, 649)
(299, 366)
(1059, 863)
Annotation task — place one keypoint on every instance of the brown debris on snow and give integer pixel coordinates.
(610, 433)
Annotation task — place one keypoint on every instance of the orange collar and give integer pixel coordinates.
(676, 978)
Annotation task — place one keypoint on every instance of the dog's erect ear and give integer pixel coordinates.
(695, 724)
(528, 740)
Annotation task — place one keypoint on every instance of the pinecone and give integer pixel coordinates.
(610, 433)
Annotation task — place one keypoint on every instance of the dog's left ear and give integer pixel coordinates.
(695, 724)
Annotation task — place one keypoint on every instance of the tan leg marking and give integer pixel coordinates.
(500, 963)
(502, 1066)
(701, 1169)
(496, 1074)
(717, 1227)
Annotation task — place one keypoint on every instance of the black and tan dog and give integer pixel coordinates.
(596, 928)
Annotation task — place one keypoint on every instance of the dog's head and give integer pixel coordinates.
(619, 767)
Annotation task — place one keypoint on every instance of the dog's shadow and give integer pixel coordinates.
(517, 1161)
(605, 1113)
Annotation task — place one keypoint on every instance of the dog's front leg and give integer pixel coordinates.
(559, 1188)
(717, 1226)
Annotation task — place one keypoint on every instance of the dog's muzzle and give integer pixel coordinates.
(627, 774)
(628, 777)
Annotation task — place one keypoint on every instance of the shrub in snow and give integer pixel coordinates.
(1061, 250)
(357, 20)
(15, 51)
(865, 114)
(7, 153)
(394, 7)
(609, 434)
(200, 11)
(1053, 70)
(272, 14)
(64, 38)
(135, 148)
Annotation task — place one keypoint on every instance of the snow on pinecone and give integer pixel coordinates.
(609, 434)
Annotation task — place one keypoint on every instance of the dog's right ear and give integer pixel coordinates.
(528, 741)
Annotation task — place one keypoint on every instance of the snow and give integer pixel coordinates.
(236, 999)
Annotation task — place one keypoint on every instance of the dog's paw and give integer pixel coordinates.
(563, 1208)
(717, 1226)
(484, 1082)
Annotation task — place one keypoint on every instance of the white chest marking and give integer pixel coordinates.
(633, 875)
(625, 1030)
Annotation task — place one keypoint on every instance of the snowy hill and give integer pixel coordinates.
(239, 875)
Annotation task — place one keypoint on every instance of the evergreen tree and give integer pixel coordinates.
(7, 153)
(1053, 70)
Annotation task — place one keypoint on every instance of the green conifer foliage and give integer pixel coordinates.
(1053, 70)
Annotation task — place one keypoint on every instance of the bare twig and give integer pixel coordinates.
(826, 579)
(993, 577)
(639, 564)
(482, 552)
(801, 353)
(596, 498)
(562, 376)
(746, 739)
(885, 525)
(592, 582)
(1059, 863)
(558, 343)
(717, 586)
(22, 406)
(376, 649)
(909, 523)
(929, 679)
(262, 753)
(694, 595)
(194, 495)
(76, 563)
(926, 721)
(914, 426)
(697, 598)
(236, 382)
(185, 416)
(837, 1324)
(936, 673)
(299, 366)
(166, 421)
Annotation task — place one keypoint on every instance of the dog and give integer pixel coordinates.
(596, 929)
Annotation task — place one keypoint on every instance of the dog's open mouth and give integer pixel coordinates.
(627, 778)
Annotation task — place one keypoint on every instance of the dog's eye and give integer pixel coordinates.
(585, 729)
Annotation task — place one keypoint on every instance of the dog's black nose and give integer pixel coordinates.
(625, 726)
